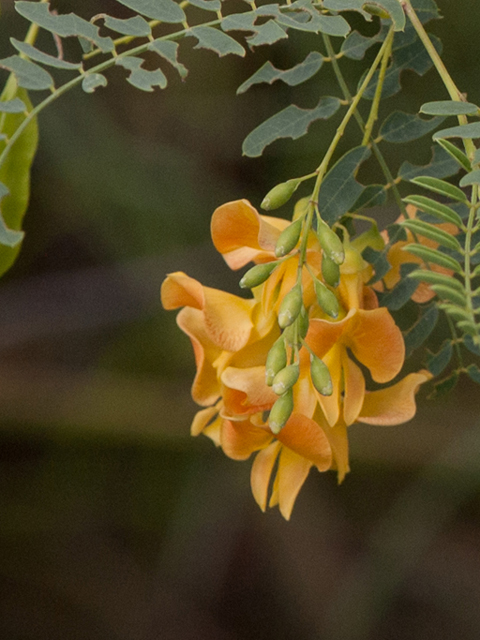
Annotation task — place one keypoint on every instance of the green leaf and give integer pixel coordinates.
(474, 372)
(356, 45)
(168, 50)
(136, 26)
(215, 40)
(43, 58)
(398, 297)
(267, 33)
(433, 233)
(405, 127)
(426, 9)
(293, 77)
(435, 278)
(446, 292)
(471, 178)
(317, 22)
(28, 74)
(394, 9)
(469, 328)
(142, 78)
(471, 130)
(291, 122)
(163, 10)
(476, 157)
(456, 312)
(15, 176)
(471, 346)
(436, 257)
(374, 195)
(13, 106)
(449, 108)
(445, 386)
(8, 237)
(396, 233)
(423, 327)
(347, 5)
(437, 362)
(63, 25)
(456, 154)
(442, 165)
(208, 5)
(441, 187)
(441, 211)
(379, 262)
(340, 189)
(92, 81)
(245, 21)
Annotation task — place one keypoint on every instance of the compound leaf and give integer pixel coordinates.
(215, 40)
(136, 26)
(43, 58)
(163, 10)
(169, 50)
(442, 165)
(293, 77)
(404, 127)
(471, 130)
(13, 106)
(28, 74)
(437, 362)
(449, 108)
(423, 327)
(142, 78)
(92, 81)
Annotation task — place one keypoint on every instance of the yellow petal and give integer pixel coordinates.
(331, 404)
(240, 439)
(376, 342)
(323, 334)
(261, 471)
(246, 391)
(306, 438)
(179, 290)
(354, 390)
(338, 439)
(214, 430)
(304, 396)
(292, 472)
(201, 419)
(206, 386)
(393, 405)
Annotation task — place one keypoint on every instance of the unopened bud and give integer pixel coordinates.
(276, 360)
(326, 299)
(375, 10)
(257, 275)
(330, 243)
(281, 412)
(330, 271)
(320, 376)
(279, 195)
(288, 239)
(290, 307)
(300, 208)
(285, 379)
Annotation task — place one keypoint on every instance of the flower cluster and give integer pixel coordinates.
(283, 374)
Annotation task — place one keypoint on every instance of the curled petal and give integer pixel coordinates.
(354, 390)
(377, 342)
(240, 439)
(201, 419)
(393, 405)
(323, 334)
(179, 290)
(306, 438)
(338, 439)
(261, 471)
(331, 404)
(240, 234)
(246, 391)
(292, 472)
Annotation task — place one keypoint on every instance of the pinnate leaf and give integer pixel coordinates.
(449, 108)
(442, 165)
(471, 130)
(208, 5)
(423, 327)
(379, 262)
(394, 9)
(43, 58)
(92, 81)
(474, 372)
(169, 50)
(473, 177)
(441, 211)
(28, 74)
(432, 233)
(437, 362)
(441, 187)
(291, 122)
(215, 40)
(405, 127)
(142, 78)
(293, 77)
(433, 256)
(136, 26)
(398, 297)
(12, 106)
(164, 10)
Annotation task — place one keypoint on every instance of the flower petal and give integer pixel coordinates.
(292, 472)
(240, 439)
(228, 319)
(306, 438)
(179, 290)
(331, 404)
(261, 471)
(376, 342)
(246, 391)
(354, 390)
(201, 419)
(393, 405)
(323, 334)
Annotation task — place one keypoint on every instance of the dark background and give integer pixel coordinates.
(115, 524)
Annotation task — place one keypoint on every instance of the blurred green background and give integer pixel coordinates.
(115, 524)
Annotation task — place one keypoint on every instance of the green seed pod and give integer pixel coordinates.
(257, 275)
(375, 10)
(276, 360)
(288, 239)
(290, 307)
(279, 195)
(285, 379)
(330, 243)
(326, 299)
(281, 412)
(320, 376)
(330, 271)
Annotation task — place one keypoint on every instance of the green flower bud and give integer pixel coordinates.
(279, 195)
(320, 376)
(330, 243)
(276, 360)
(285, 379)
(326, 299)
(257, 275)
(296, 332)
(330, 271)
(300, 208)
(303, 322)
(375, 10)
(288, 239)
(281, 411)
(290, 307)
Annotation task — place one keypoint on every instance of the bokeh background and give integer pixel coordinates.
(115, 524)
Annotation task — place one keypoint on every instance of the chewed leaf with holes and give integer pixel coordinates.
(169, 50)
(136, 26)
(356, 45)
(215, 40)
(340, 189)
(292, 122)
(437, 362)
(306, 18)
(92, 81)
(43, 58)
(404, 127)
(293, 77)
(63, 25)
(442, 165)
(267, 33)
(28, 74)
(163, 10)
(347, 5)
(15, 177)
(142, 78)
